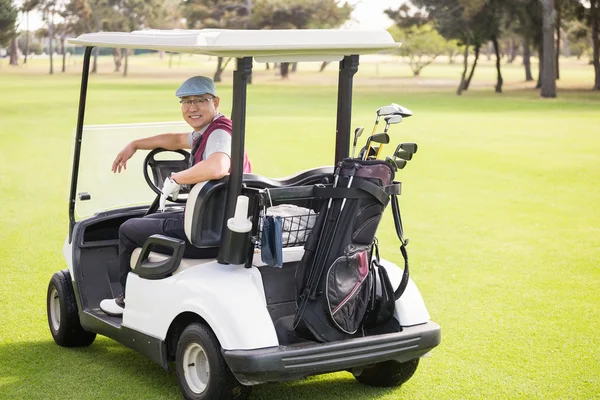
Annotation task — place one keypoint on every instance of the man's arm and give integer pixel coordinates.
(169, 141)
(215, 166)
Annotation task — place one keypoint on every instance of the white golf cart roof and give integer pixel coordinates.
(263, 45)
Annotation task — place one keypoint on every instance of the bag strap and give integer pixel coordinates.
(403, 243)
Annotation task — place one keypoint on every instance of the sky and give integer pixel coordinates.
(368, 14)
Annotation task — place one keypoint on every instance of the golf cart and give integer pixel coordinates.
(225, 319)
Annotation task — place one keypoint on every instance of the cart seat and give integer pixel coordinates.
(205, 210)
(205, 207)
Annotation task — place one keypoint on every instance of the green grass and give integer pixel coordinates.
(500, 204)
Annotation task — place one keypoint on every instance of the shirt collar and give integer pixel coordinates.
(201, 131)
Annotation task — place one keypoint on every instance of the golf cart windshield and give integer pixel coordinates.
(98, 188)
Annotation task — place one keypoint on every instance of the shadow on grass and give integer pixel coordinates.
(107, 369)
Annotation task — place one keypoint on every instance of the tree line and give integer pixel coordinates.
(543, 26)
(69, 18)
(428, 28)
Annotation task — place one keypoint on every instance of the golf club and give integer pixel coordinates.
(392, 163)
(405, 112)
(382, 112)
(396, 164)
(403, 154)
(389, 120)
(357, 132)
(409, 147)
(381, 138)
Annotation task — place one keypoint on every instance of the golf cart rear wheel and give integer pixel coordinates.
(63, 318)
(388, 373)
(201, 370)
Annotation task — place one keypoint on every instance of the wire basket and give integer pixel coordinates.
(295, 228)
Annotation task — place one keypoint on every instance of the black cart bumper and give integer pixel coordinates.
(295, 362)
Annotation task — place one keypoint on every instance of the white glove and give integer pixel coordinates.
(170, 188)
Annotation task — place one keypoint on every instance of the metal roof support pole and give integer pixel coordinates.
(348, 67)
(238, 131)
(78, 134)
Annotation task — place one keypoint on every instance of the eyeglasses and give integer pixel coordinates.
(185, 104)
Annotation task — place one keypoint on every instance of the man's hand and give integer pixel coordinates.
(122, 158)
(170, 187)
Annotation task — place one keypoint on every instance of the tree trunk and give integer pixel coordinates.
(595, 10)
(466, 66)
(96, 50)
(540, 65)
(125, 67)
(50, 48)
(468, 82)
(267, 66)
(294, 67)
(219, 71)
(558, 15)
(527, 59)
(284, 69)
(497, 50)
(14, 56)
(220, 68)
(26, 37)
(117, 59)
(64, 53)
(512, 51)
(95, 60)
(548, 73)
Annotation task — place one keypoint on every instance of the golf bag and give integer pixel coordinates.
(336, 280)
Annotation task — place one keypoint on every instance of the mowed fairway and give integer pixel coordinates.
(501, 204)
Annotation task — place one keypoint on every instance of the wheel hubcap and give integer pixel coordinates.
(54, 310)
(195, 366)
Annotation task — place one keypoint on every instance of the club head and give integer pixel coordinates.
(392, 163)
(410, 147)
(387, 110)
(396, 164)
(403, 154)
(393, 119)
(403, 111)
(381, 138)
(400, 164)
(357, 132)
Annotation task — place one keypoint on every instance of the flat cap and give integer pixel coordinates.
(195, 86)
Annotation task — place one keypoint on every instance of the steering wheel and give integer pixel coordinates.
(161, 169)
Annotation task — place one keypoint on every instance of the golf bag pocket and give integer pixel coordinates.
(271, 241)
(366, 223)
(382, 303)
(347, 289)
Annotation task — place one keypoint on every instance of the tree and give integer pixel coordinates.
(421, 44)
(301, 14)
(8, 34)
(28, 6)
(548, 78)
(595, 20)
(471, 22)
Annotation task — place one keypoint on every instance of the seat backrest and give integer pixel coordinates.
(205, 206)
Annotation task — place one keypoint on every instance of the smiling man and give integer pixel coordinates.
(210, 142)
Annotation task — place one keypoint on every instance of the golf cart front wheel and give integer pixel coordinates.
(388, 373)
(63, 318)
(202, 373)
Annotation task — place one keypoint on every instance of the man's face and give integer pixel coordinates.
(199, 111)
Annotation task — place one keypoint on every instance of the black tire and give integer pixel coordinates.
(388, 373)
(201, 370)
(63, 318)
